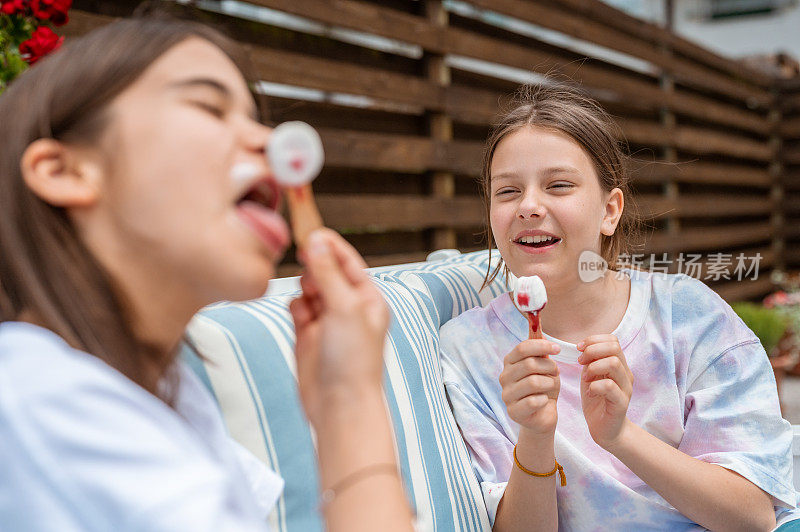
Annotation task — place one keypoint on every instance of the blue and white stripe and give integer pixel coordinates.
(248, 363)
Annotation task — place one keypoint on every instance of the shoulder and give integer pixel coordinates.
(703, 326)
(37, 365)
(471, 324)
(52, 397)
(699, 311)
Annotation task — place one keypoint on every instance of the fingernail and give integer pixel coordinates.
(580, 346)
(556, 348)
(316, 244)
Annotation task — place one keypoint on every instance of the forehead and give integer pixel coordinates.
(540, 144)
(193, 58)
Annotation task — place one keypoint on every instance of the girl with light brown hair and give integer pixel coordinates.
(647, 404)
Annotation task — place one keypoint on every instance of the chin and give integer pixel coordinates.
(248, 284)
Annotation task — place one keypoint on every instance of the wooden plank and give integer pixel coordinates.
(714, 238)
(416, 30)
(643, 132)
(698, 172)
(365, 17)
(469, 44)
(791, 155)
(745, 290)
(704, 205)
(462, 103)
(351, 149)
(575, 25)
(791, 205)
(708, 109)
(789, 101)
(790, 128)
(704, 141)
(791, 228)
(618, 19)
(693, 140)
(792, 257)
(385, 212)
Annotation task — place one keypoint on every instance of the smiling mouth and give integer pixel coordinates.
(537, 242)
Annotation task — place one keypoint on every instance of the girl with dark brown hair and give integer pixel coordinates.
(134, 190)
(647, 404)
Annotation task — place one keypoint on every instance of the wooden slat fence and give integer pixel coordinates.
(403, 93)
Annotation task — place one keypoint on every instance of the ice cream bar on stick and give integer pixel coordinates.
(531, 298)
(296, 157)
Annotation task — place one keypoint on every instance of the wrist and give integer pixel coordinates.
(535, 451)
(536, 440)
(350, 395)
(625, 440)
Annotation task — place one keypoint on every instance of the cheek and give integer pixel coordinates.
(498, 225)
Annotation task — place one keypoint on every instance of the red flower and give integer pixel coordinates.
(55, 10)
(779, 298)
(42, 42)
(13, 7)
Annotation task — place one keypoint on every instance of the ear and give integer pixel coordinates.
(614, 205)
(59, 175)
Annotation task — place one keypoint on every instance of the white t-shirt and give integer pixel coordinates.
(703, 384)
(82, 447)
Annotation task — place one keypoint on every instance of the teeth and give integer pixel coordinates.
(535, 239)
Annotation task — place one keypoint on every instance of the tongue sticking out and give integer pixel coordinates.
(267, 224)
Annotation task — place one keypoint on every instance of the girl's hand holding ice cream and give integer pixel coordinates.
(531, 384)
(606, 388)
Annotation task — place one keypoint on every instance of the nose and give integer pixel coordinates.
(530, 206)
(255, 136)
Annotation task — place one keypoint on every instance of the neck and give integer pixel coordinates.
(577, 309)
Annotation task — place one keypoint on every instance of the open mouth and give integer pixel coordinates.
(263, 193)
(257, 207)
(537, 241)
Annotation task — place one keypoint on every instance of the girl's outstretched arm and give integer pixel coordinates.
(530, 390)
(709, 494)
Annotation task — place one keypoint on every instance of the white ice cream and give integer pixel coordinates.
(295, 153)
(529, 294)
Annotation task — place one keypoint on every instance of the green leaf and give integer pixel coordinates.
(768, 324)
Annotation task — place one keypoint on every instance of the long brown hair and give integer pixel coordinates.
(46, 271)
(564, 109)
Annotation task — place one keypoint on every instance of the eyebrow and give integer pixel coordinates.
(547, 172)
(214, 85)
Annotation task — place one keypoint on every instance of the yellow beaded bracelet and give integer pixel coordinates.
(550, 474)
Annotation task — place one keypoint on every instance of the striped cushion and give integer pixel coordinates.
(249, 366)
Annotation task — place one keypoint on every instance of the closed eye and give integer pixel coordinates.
(214, 110)
(562, 185)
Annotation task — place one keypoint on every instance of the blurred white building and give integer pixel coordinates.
(734, 28)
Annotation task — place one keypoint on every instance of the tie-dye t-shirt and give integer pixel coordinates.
(703, 384)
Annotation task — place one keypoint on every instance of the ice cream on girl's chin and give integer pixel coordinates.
(530, 294)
